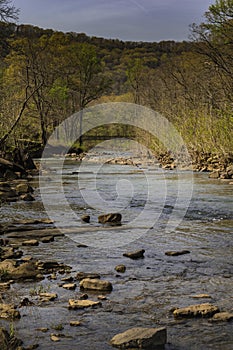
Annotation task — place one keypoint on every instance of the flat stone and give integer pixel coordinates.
(177, 253)
(200, 310)
(9, 311)
(47, 239)
(140, 338)
(31, 242)
(137, 254)
(120, 268)
(222, 317)
(102, 297)
(95, 284)
(75, 323)
(81, 275)
(47, 296)
(67, 279)
(82, 304)
(69, 286)
(200, 296)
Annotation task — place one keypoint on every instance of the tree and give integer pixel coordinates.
(7, 11)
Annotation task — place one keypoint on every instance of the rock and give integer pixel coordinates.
(140, 338)
(138, 254)
(222, 317)
(67, 279)
(25, 271)
(75, 323)
(10, 253)
(102, 297)
(120, 268)
(200, 310)
(81, 275)
(9, 311)
(200, 296)
(214, 175)
(112, 218)
(47, 239)
(25, 302)
(82, 304)
(43, 329)
(177, 253)
(69, 286)
(47, 296)
(4, 286)
(229, 170)
(23, 188)
(54, 338)
(83, 297)
(96, 284)
(27, 197)
(86, 218)
(31, 242)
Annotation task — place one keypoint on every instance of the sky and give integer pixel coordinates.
(134, 20)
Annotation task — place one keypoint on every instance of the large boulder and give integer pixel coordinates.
(96, 284)
(199, 310)
(111, 218)
(140, 338)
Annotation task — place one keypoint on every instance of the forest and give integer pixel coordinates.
(47, 75)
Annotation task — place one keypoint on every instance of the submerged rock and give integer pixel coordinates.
(111, 218)
(177, 253)
(96, 284)
(200, 310)
(140, 338)
(120, 268)
(82, 304)
(138, 254)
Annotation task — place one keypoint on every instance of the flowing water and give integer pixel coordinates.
(150, 288)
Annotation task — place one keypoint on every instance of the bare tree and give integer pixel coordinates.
(8, 11)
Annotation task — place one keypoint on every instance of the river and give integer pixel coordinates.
(151, 287)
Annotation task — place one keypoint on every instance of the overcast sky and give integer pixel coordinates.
(136, 20)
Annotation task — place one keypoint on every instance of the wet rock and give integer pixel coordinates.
(80, 245)
(31, 242)
(120, 268)
(52, 266)
(75, 323)
(177, 253)
(10, 253)
(44, 297)
(86, 218)
(81, 275)
(23, 188)
(82, 304)
(96, 284)
(67, 279)
(4, 286)
(138, 254)
(25, 302)
(222, 317)
(112, 218)
(200, 296)
(47, 239)
(43, 330)
(102, 297)
(69, 286)
(140, 338)
(83, 297)
(25, 271)
(9, 311)
(200, 310)
(54, 338)
(214, 175)
(27, 197)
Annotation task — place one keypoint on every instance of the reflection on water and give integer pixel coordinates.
(151, 287)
